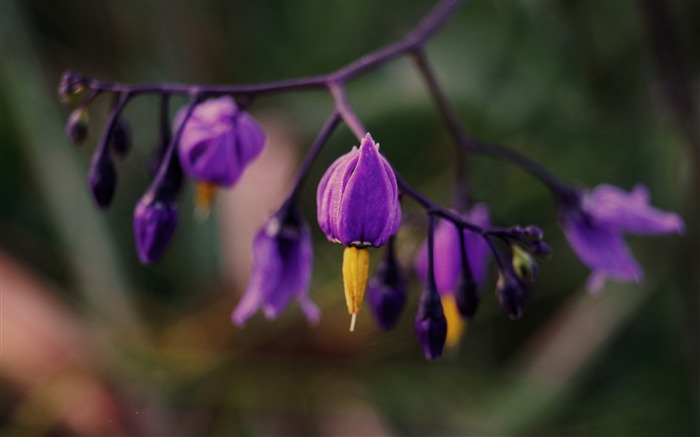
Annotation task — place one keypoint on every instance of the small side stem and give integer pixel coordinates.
(459, 133)
(344, 108)
(329, 126)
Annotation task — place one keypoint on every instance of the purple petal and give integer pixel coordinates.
(600, 248)
(448, 264)
(478, 250)
(282, 264)
(330, 189)
(614, 208)
(357, 198)
(218, 141)
(264, 278)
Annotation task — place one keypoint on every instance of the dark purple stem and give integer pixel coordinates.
(432, 286)
(560, 190)
(344, 108)
(329, 126)
(103, 145)
(414, 40)
(159, 181)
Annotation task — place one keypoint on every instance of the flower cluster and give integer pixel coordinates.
(212, 140)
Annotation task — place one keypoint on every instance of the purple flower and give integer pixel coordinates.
(387, 291)
(155, 222)
(430, 324)
(218, 141)
(594, 225)
(357, 198)
(281, 270)
(448, 264)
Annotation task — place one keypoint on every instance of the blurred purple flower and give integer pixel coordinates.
(357, 198)
(218, 141)
(282, 264)
(594, 225)
(155, 222)
(448, 264)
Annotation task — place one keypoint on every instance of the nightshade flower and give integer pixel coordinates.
(218, 141)
(594, 224)
(282, 262)
(358, 205)
(448, 270)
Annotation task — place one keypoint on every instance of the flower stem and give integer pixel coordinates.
(329, 126)
(461, 136)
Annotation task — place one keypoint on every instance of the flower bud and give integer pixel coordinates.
(524, 265)
(357, 199)
(69, 86)
(77, 126)
(155, 222)
(430, 324)
(533, 232)
(512, 294)
(541, 249)
(121, 137)
(387, 292)
(102, 179)
(468, 296)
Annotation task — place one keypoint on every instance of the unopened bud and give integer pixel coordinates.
(121, 137)
(524, 265)
(386, 293)
(69, 86)
(430, 325)
(102, 178)
(154, 226)
(533, 232)
(541, 249)
(77, 126)
(468, 296)
(512, 294)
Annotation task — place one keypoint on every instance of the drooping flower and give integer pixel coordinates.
(460, 291)
(218, 141)
(283, 257)
(595, 221)
(387, 291)
(358, 205)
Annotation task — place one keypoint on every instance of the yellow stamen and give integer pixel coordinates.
(204, 198)
(455, 323)
(355, 273)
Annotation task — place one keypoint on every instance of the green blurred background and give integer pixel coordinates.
(93, 343)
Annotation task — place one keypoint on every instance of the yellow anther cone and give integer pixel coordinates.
(205, 193)
(455, 323)
(355, 273)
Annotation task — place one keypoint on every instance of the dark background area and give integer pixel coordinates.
(93, 343)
